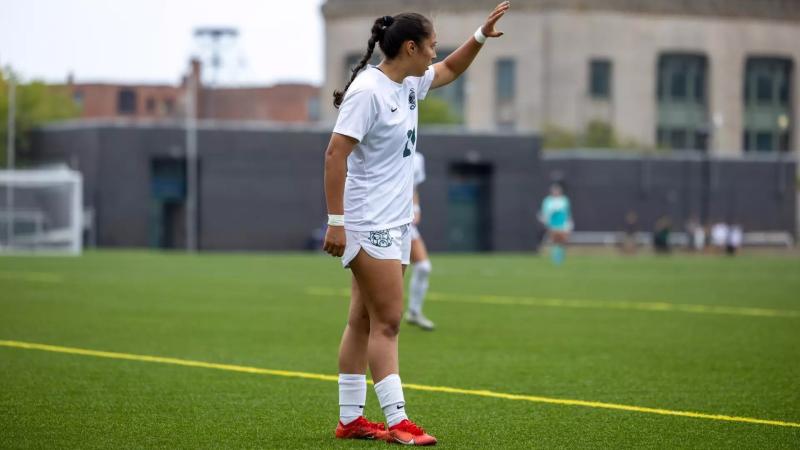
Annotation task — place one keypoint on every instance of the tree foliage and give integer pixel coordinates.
(598, 134)
(36, 103)
(436, 111)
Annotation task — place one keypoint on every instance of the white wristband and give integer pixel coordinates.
(479, 36)
(336, 220)
(417, 209)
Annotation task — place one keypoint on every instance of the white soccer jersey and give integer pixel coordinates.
(419, 168)
(382, 116)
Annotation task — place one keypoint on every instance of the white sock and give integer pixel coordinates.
(390, 396)
(352, 396)
(418, 286)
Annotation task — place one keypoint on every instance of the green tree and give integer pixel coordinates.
(36, 104)
(436, 111)
(599, 135)
(556, 137)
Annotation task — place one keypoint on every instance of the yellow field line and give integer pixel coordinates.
(589, 304)
(418, 387)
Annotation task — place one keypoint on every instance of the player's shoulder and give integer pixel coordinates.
(413, 81)
(365, 83)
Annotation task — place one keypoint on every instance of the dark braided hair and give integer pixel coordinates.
(390, 33)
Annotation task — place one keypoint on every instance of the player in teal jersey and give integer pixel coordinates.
(557, 217)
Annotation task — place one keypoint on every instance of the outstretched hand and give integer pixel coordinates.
(488, 28)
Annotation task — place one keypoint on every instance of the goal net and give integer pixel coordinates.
(40, 211)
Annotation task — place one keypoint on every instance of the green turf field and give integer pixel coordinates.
(706, 335)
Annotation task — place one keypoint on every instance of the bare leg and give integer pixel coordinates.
(353, 348)
(418, 251)
(381, 283)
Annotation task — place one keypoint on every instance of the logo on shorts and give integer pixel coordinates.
(412, 99)
(380, 238)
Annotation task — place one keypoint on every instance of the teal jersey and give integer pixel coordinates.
(556, 212)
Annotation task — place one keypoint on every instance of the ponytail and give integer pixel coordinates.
(378, 31)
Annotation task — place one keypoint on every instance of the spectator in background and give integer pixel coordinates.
(696, 234)
(719, 236)
(629, 233)
(661, 235)
(735, 236)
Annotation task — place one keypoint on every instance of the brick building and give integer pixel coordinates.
(296, 103)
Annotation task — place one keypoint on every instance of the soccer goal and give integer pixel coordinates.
(40, 211)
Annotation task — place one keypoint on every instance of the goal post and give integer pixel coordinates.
(41, 211)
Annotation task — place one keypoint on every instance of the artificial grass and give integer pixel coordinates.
(266, 311)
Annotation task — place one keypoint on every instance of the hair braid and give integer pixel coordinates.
(378, 30)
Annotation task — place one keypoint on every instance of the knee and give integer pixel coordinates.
(359, 323)
(389, 329)
(423, 267)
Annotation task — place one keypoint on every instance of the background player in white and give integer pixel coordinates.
(420, 264)
(369, 190)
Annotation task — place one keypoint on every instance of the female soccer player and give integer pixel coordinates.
(420, 264)
(369, 189)
(557, 217)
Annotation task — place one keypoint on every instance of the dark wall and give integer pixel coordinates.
(262, 189)
(758, 194)
(115, 164)
(514, 186)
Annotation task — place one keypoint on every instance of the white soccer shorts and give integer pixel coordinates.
(394, 243)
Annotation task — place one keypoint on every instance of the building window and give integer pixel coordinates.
(169, 106)
(682, 78)
(600, 79)
(505, 88)
(767, 115)
(126, 101)
(150, 105)
(682, 104)
(77, 97)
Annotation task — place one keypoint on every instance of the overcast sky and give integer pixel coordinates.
(151, 40)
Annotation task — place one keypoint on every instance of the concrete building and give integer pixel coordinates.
(715, 75)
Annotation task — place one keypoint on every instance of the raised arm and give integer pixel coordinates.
(339, 148)
(458, 61)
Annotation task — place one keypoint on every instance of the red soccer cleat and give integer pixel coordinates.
(362, 428)
(408, 433)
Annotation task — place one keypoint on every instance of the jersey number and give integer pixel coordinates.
(412, 136)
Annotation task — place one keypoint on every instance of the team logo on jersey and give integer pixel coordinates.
(412, 99)
(380, 238)
(412, 137)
